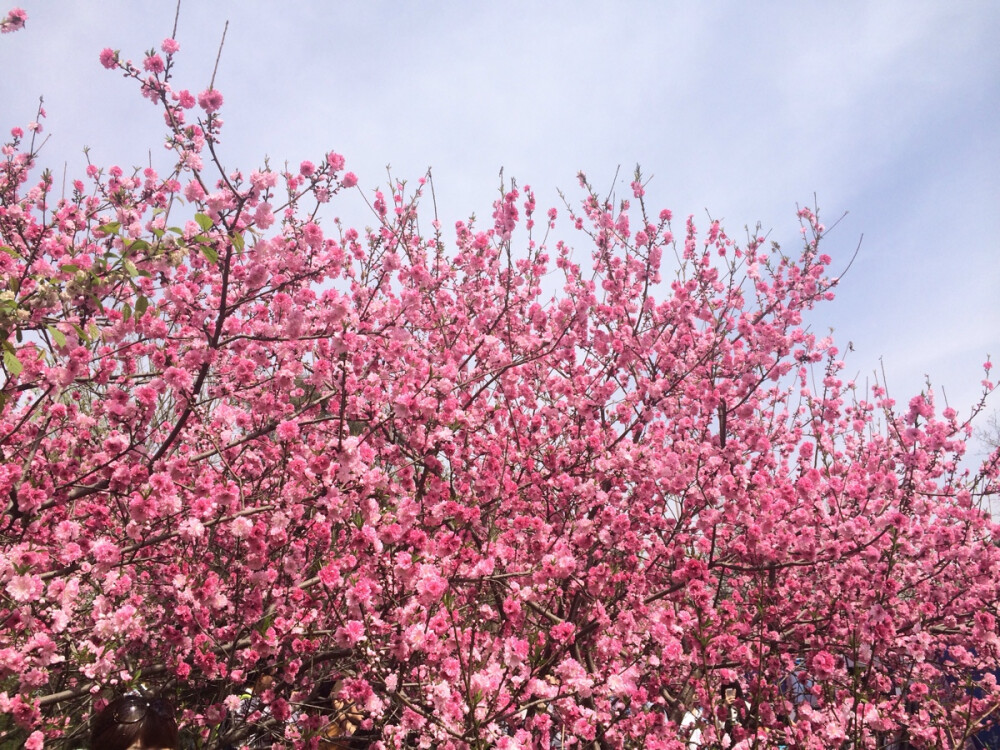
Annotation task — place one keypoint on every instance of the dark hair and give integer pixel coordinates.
(131, 719)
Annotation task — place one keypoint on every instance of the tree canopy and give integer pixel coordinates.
(465, 489)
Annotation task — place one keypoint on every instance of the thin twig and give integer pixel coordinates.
(177, 15)
(218, 57)
(851, 262)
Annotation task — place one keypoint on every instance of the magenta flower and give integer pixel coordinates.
(169, 46)
(349, 180)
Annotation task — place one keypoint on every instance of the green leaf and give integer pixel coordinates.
(264, 624)
(126, 311)
(111, 227)
(210, 253)
(204, 221)
(12, 363)
(58, 336)
(140, 306)
(69, 268)
(176, 230)
(10, 251)
(80, 332)
(158, 233)
(238, 242)
(137, 245)
(130, 267)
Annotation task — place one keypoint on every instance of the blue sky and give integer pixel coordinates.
(888, 111)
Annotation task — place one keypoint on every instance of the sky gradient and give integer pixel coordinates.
(888, 111)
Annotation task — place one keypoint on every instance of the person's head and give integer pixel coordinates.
(731, 693)
(135, 723)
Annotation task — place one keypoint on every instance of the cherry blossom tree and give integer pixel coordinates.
(321, 486)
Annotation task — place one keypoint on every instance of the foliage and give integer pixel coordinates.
(309, 481)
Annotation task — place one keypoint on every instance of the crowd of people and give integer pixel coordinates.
(136, 722)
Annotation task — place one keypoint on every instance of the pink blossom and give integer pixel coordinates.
(14, 21)
(823, 664)
(262, 216)
(335, 160)
(349, 180)
(287, 431)
(351, 633)
(194, 192)
(313, 234)
(109, 58)
(178, 378)
(307, 168)
(564, 632)
(210, 100)
(191, 529)
(431, 588)
(169, 46)
(153, 64)
(105, 551)
(263, 180)
(185, 98)
(24, 588)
